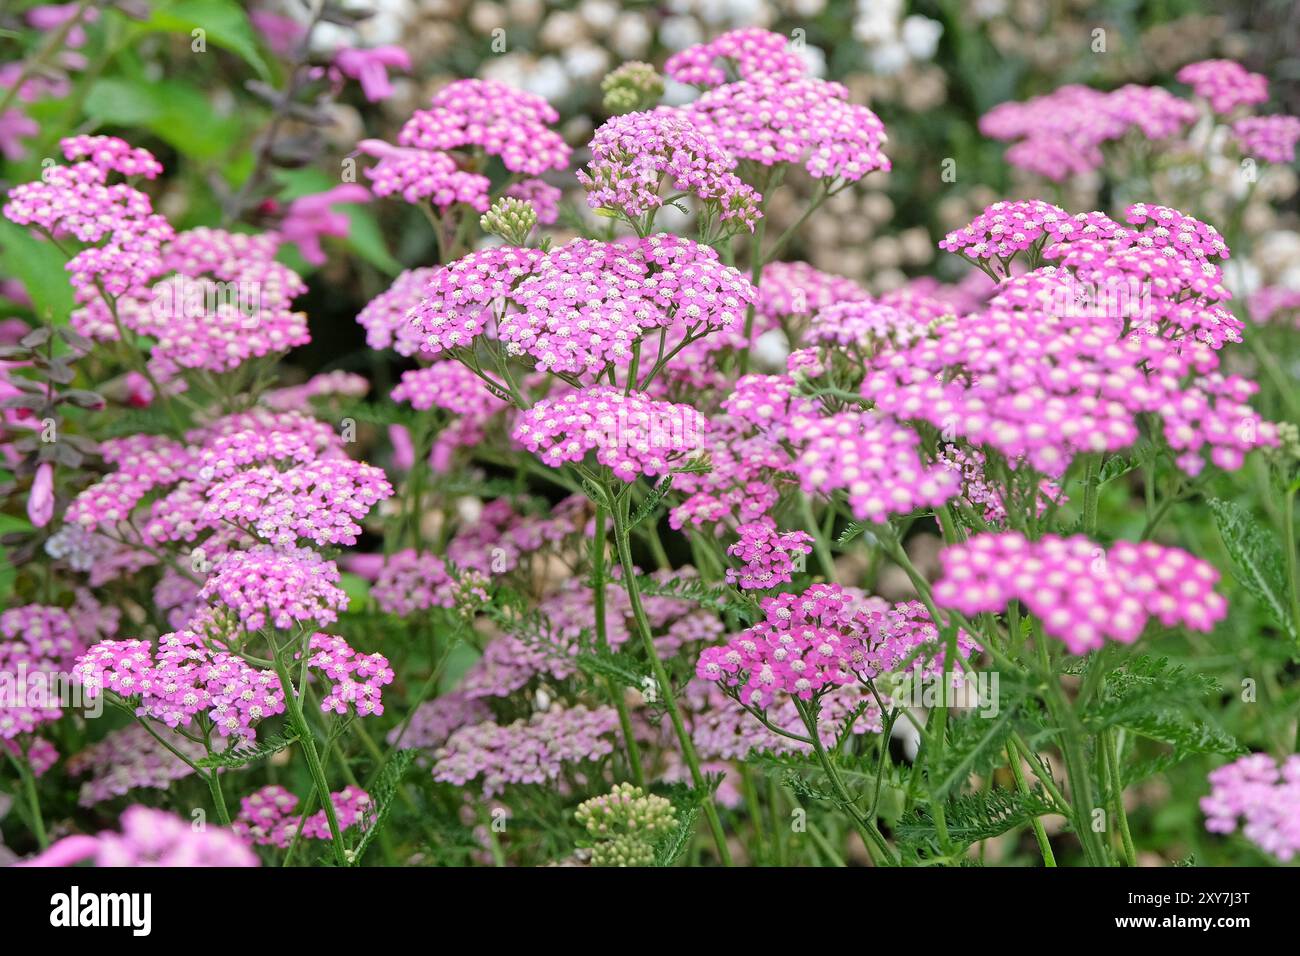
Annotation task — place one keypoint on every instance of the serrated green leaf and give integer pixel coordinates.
(651, 501)
(1258, 560)
(237, 757)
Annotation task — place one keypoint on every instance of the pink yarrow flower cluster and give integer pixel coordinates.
(1083, 593)
(1261, 796)
(805, 121)
(1060, 134)
(767, 555)
(634, 153)
(151, 837)
(876, 463)
(495, 118)
(1271, 138)
(1225, 84)
(269, 816)
(628, 432)
(533, 751)
(824, 638)
(752, 52)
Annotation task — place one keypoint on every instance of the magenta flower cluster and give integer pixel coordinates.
(1083, 593)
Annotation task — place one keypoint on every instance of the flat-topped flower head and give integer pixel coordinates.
(1261, 797)
(1225, 84)
(808, 644)
(636, 154)
(267, 587)
(494, 117)
(876, 463)
(749, 53)
(461, 299)
(420, 175)
(533, 751)
(805, 121)
(793, 291)
(387, 317)
(865, 326)
(1060, 134)
(152, 838)
(767, 556)
(1270, 138)
(1083, 593)
(628, 432)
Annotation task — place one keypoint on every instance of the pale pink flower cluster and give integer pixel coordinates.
(131, 759)
(182, 678)
(387, 317)
(1083, 593)
(1225, 84)
(151, 838)
(269, 816)
(418, 175)
(461, 299)
(1271, 138)
(495, 118)
(533, 751)
(804, 121)
(40, 642)
(752, 52)
(628, 432)
(1061, 133)
(767, 556)
(1261, 796)
(635, 154)
(357, 678)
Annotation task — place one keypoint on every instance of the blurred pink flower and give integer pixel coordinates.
(281, 33)
(14, 126)
(40, 500)
(52, 16)
(371, 67)
(310, 217)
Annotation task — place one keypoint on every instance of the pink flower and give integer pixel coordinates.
(281, 34)
(15, 126)
(371, 67)
(40, 500)
(310, 217)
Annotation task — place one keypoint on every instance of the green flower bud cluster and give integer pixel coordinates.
(626, 824)
(511, 219)
(633, 86)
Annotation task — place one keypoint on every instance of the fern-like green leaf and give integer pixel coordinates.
(237, 757)
(1258, 560)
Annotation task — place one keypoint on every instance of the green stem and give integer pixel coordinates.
(867, 829)
(1044, 845)
(28, 780)
(623, 544)
(314, 767)
(1110, 749)
(602, 641)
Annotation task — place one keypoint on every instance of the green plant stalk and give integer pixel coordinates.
(1110, 749)
(623, 545)
(1289, 545)
(28, 781)
(314, 767)
(602, 641)
(823, 552)
(1044, 845)
(1076, 767)
(871, 836)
